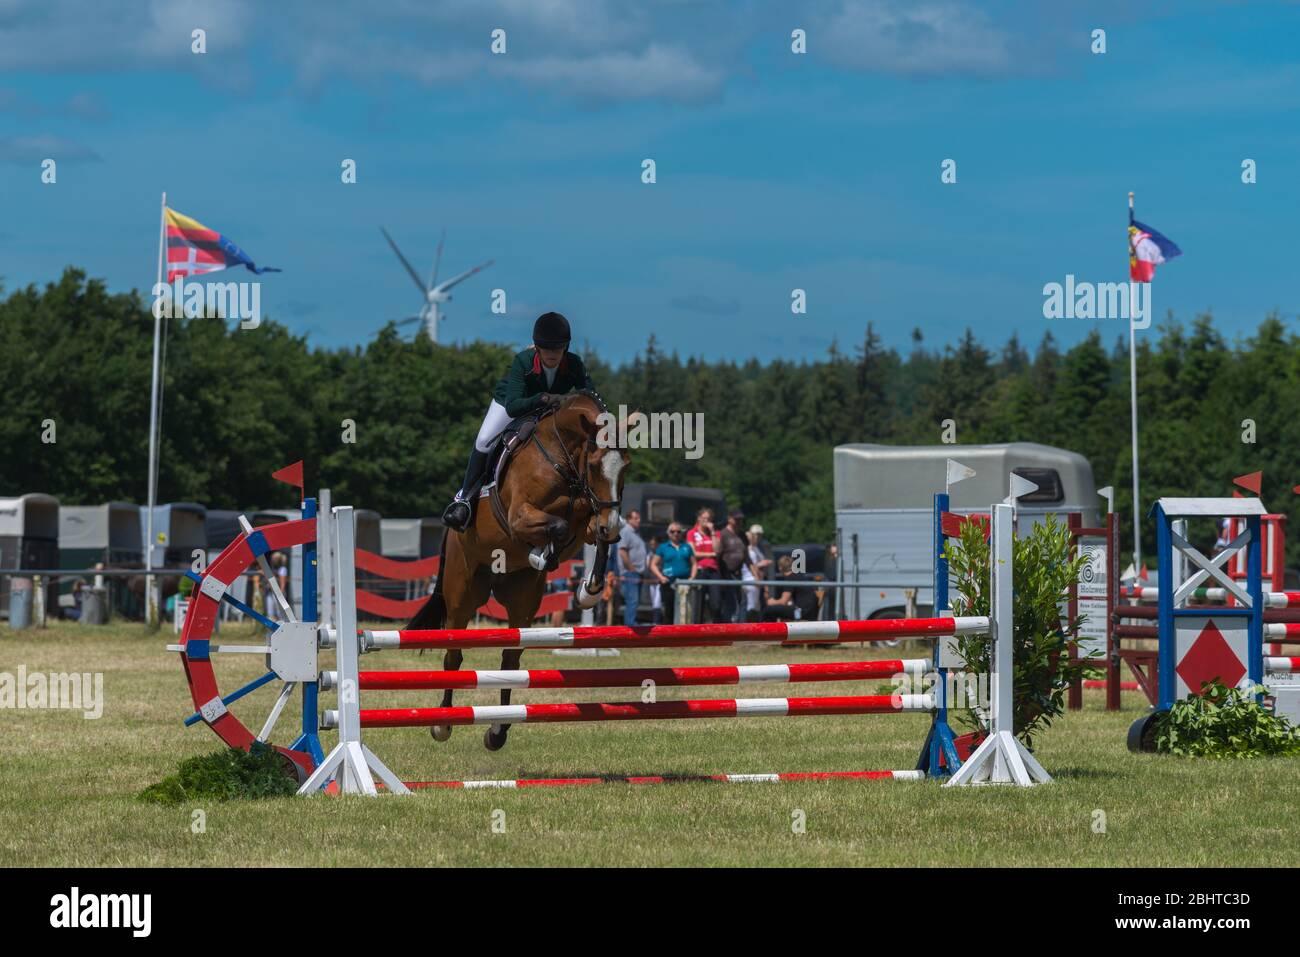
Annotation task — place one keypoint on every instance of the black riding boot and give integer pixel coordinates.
(461, 510)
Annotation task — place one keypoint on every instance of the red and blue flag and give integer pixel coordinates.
(193, 249)
(1147, 249)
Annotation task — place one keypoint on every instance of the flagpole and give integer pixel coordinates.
(151, 614)
(1133, 405)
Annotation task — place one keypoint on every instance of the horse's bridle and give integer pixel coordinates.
(574, 477)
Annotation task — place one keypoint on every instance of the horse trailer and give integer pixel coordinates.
(884, 504)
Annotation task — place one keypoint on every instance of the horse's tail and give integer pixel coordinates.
(433, 613)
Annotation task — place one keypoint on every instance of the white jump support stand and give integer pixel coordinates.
(1001, 759)
(351, 763)
(325, 563)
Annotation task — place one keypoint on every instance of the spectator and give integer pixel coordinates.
(755, 569)
(731, 560)
(655, 595)
(631, 557)
(704, 541)
(672, 560)
(1224, 538)
(831, 567)
(74, 611)
(280, 569)
(791, 604)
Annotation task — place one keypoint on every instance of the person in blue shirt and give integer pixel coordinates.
(631, 560)
(672, 560)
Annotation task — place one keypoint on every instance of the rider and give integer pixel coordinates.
(538, 376)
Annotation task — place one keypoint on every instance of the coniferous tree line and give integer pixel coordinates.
(388, 425)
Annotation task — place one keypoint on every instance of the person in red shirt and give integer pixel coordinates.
(705, 541)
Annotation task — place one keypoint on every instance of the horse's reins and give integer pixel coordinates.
(573, 476)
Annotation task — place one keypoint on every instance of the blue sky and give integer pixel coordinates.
(775, 171)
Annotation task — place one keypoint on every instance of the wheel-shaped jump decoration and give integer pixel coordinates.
(290, 649)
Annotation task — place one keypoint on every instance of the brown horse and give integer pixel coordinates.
(560, 490)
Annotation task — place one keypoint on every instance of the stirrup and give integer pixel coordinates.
(451, 515)
(543, 559)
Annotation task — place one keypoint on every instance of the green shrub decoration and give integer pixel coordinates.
(1224, 722)
(1043, 575)
(226, 776)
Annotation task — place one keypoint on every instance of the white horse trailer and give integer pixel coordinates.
(884, 505)
(407, 539)
(29, 538)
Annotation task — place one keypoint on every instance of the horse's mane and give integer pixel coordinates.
(586, 394)
(578, 401)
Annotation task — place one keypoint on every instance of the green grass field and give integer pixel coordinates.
(68, 787)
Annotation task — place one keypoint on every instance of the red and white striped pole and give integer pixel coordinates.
(637, 710)
(634, 677)
(678, 636)
(675, 779)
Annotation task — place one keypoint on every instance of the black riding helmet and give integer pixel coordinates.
(551, 331)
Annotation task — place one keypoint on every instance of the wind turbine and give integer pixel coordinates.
(434, 293)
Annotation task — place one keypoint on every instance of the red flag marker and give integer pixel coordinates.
(1251, 482)
(291, 475)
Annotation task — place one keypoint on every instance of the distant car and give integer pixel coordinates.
(660, 505)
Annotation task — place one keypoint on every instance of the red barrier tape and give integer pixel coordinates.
(398, 571)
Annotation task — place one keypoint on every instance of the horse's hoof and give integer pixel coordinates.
(494, 741)
(440, 732)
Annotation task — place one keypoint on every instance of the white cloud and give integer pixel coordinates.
(54, 35)
(34, 149)
(591, 50)
(657, 72)
(913, 38)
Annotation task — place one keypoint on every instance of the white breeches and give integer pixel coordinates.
(494, 423)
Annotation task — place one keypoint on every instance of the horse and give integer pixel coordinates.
(560, 489)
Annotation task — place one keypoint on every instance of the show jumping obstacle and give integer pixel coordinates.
(1109, 630)
(1200, 643)
(292, 649)
(1000, 757)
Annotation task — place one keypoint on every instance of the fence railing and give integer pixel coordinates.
(684, 603)
(90, 572)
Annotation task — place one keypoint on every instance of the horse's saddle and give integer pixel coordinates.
(513, 438)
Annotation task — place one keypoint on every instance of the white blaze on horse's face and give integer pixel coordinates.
(610, 522)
